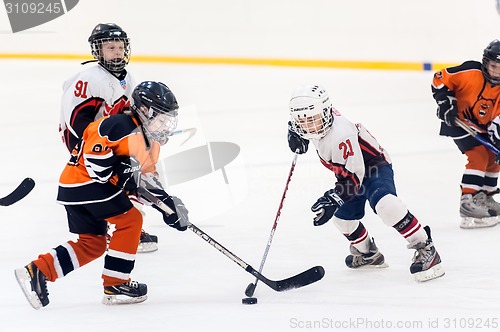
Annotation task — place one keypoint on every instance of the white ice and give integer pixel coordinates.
(193, 287)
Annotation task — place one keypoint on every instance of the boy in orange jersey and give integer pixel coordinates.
(471, 92)
(104, 165)
(100, 90)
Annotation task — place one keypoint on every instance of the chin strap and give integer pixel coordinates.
(136, 116)
(89, 61)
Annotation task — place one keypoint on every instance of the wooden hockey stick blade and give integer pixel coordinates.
(19, 193)
(300, 280)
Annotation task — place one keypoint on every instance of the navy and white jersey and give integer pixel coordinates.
(90, 95)
(351, 152)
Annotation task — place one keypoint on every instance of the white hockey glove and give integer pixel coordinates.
(325, 207)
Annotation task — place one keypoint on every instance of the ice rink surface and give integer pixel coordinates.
(192, 287)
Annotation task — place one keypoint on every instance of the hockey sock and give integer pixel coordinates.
(409, 227)
(395, 214)
(71, 255)
(355, 232)
(120, 259)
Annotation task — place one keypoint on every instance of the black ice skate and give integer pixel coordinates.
(426, 261)
(372, 259)
(478, 211)
(147, 243)
(126, 293)
(34, 285)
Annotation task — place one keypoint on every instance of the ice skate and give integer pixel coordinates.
(148, 243)
(476, 212)
(126, 293)
(33, 284)
(492, 204)
(372, 259)
(426, 261)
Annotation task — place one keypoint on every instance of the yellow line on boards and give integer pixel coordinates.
(339, 64)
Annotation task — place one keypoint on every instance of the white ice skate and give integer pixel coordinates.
(372, 259)
(426, 261)
(477, 211)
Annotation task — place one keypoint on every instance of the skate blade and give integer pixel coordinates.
(24, 281)
(117, 299)
(434, 272)
(471, 223)
(147, 247)
(370, 267)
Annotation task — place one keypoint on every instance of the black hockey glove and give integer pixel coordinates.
(128, 171)
(494, 135)
(447, 106)
(325, 207)
(296, 143)
(178, 220)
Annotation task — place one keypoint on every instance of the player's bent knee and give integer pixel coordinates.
(391, 209)
(130, 219)
(345, 226)
(90, 247)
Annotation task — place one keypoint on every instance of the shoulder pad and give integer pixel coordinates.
(467, 65)
(116, 127)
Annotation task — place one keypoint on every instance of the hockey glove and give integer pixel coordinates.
(128, 171)
(494, 135)
(152, 183)
(494, 131)
(325, 207)
(178, 220)
(447, 106)
(296, 143)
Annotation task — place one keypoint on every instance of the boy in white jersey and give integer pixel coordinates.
(101, 90)
(364, 173)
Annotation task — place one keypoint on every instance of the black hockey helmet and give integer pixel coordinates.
(491, 52)
(106, 32)
(157, 108)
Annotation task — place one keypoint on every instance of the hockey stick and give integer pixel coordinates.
(477, 135)
(19, 193)
(251, 287)
(302, 279)
(190, 131)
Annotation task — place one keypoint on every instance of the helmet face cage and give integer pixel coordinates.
(103, 34)
(491, 53)
(313, 125)
(113, 65)
(159, 125)
(311, 112)
(156, 107)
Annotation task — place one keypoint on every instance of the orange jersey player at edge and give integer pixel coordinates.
(470, 92)
(100, 90)
(363, 170)
(103, 166)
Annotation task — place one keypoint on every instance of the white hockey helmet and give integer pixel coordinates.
(311, 111)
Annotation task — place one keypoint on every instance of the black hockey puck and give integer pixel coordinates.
(249, 300)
